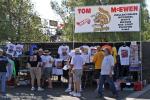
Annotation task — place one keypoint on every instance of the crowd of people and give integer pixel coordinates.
(41, 62)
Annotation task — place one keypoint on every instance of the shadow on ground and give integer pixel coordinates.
(24, 93)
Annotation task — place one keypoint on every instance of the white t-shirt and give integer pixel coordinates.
(19, 50)
(46, 60)
(11, 49)
(86, 58)
(62, 49)
(78, 62)
(124, 53)
(107, 63)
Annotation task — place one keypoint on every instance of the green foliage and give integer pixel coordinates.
(18, 22)
(97, 37)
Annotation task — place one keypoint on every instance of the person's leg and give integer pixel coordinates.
(32, 74)
(75, 81)
(112, 85)
(101, 83)
(69, 84)
(3, 82)
(38, 76)
(59, 78)
(97, 76)
(78, 80)
(49, 79)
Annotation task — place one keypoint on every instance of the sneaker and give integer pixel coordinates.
(40, 89)
(32, 89)
(72, 93)
(68, 90)
(78, 94)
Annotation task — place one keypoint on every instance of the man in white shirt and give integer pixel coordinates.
(107, 73)
(77, 63)
(47, 64)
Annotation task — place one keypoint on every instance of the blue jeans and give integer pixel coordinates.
(3, 81)
(107, 78)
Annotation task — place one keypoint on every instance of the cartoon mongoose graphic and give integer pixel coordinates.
(102, 17)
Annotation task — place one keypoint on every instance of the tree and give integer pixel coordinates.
(97, 37)
(19, 23)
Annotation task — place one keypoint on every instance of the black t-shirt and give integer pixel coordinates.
(34, 59)
(3, 63)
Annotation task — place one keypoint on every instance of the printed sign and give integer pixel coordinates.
(109, 18)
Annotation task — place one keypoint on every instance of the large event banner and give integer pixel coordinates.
(108, 18)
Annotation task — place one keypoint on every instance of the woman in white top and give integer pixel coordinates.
(107, 73)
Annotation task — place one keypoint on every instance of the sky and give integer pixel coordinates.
(42, 7)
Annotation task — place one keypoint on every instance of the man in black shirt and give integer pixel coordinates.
(3, 64)
(34, 63)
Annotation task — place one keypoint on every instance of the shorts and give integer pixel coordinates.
(35, 72)
(77, 74)
(47, 72)
(97, 73)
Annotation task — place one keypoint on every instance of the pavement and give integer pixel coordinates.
(57, 93)
(140, 95)
(24, 93)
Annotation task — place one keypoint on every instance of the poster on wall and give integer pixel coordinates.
(108, 18)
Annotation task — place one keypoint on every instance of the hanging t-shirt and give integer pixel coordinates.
(86, 57)
(124, 53)
(72, 53)
(134, 57)
(93, 51)
(114, 53)
(63, 49)
(18, 50)
(11, 49)
(58, 63)
(64, 57)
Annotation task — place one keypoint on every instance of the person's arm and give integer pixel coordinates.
(28, 63)
(39, 64)
(51, 60)
(72, 63)
(94, 58)
(112, 66)
(39, 61)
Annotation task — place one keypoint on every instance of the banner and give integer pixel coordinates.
(108, 18)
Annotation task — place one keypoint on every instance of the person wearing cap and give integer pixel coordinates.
(3, 71)
(34, 63)
(97, 60)
(107, 73)
(47, 64)
(77, 63)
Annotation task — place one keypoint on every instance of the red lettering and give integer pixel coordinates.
(121, 9)
(124, 9)
(88, 10)
(79, 11)
(113, 9)
(84, 10)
